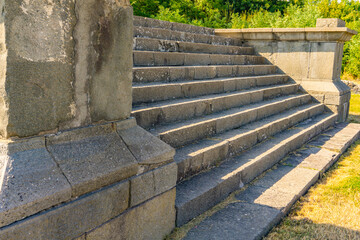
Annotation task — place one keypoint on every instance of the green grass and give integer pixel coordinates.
(331, 209)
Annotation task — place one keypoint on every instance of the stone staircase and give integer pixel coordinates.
(229, 114)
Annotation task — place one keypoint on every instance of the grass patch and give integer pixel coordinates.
(331, 209)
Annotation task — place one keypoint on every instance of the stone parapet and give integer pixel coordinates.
(310, 56)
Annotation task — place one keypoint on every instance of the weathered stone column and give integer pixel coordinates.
(69, 148)
(310, 56)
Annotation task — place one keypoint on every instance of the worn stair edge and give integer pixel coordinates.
(152, 92)
(263, 204)
(163, 45)
(183, 133)
(155, 23)
(183, 109)
(176, 73)
(206, 153)
(162, 33)
(150, 58)
(205, 190)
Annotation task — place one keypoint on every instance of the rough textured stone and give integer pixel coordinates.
(151, 220)
(30, 180)
(147, 149)
(70, 220)
(92, 157)
(244, 220)
(152, 183)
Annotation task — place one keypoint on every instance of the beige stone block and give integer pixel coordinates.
(152, 183)
(224, 71)
(154, 93)
(194, 59)
(184, 73)
(293, 58)
(151, 220)
(184, 110)
(154, 74)
(180, 137)
(205, 72)
(329, 22)
(216, 59)
(147, 149)
(92, 157)
(143, 58)
(239, 59)
(230, 85)
(229, 101)
(243, 70)
(70, 220)
(202, 88)
(322, 60)
(169, 59)
(245, 83)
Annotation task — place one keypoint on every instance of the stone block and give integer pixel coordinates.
(92, 157)
(250, 221)
(216, 59)
(224, 71)
(154, 74)
(182, 136)
(169, 59)
(70, 220)
(230, 85)
(238, 59)
(230, 101)
(147, 149)
(147, 117)
(194, 59)
(329, 22)
(245, 83)
(242, 142)
(184, 110)
(215, 154)
(152, 220)
(201, 88)
(205, 72)
(185, 73)
(143, 58)
(244, 71)
(143, 94)
(30, 180)
(152, 183)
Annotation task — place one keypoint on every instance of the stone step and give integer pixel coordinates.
(151, 44)
(253, 212)
(152, 92)
(208, 152)
(151, 58)
(155, 23)
(181, 109)
(167, 34)
(205, 190)
(181, 73)
(185, 132)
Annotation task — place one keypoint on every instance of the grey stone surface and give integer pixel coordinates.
(92, 157)
(151, 220)
(237, 221)
(152, 183)
(30, 180)
(60, 66)
(147, 149)
(70, 220)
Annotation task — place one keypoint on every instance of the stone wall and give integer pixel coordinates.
(73, 164)
(310, 56)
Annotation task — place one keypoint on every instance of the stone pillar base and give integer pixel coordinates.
(60, 186)
(335, 95)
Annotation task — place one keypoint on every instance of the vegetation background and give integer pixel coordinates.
(261, 14)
